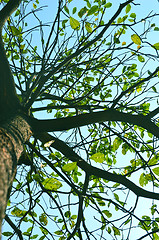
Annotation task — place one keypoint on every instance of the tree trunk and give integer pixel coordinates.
(13, 135)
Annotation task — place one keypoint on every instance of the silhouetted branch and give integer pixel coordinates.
(90, 170)
(62, 124)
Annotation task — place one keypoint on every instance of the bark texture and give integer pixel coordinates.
(13, 135)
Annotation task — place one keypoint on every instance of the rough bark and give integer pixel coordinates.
(13, 135)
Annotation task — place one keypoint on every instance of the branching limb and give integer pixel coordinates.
(62, 124)
(17, 231)
(90, 170)
(80, 208)
(76, 53)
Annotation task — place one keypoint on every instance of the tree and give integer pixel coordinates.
(82, 168)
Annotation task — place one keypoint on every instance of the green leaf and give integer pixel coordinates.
(154, 89)
(156, 171)
(43, 219)
(147, 221)
(116, 144)
(156, 29)
(82, 12)
(156, 237)
(34, 236)
(116, 231)
(7, 234)
(153, 161)
(75, 24)
(34, 6)
(52, 184)
(92, 10)
(98, 157)
(18, 212)
(67, 214)
(108, 5)
(74, 10)
(141, 58)
(64, 23)
(136, 39)
(133, 15)
(58, 233)
(107, 213)
(88, 27)
(128, 8)
(142, 179)
(15, 31)
(156, 46)
(66, 9)
(17, 13)
(69, 167)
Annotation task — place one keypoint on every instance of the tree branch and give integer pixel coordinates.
(90, 170)
(7, 10)
(54, 70)
(17, 231)
(62, 124)
(7, 87)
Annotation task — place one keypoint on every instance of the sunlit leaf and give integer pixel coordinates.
(43, 219)
(136, 39)
(98, 157)
(141, 58)
(15, 30)
(156, 46)
(108, 5)
(18, 212)
(75, 24)
(69, 167)
(133, 15)
(48, 144)
(147, 221)
(107, 213)
(153, 161)
(156, 171)
(52, 184)
(88, 27)
(92, 10)
(58, 232)
(142, 179)
(116, 143)
(128, 8)
(116, 231)
(34, 6)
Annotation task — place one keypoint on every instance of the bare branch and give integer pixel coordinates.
(7, 10)
(62, 124)
(90, 170)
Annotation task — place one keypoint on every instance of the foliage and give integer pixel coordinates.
(86, 182)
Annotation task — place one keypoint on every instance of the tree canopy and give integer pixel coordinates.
(86, 75)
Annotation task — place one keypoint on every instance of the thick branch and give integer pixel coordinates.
(7, 10)
(8, 99)
(62, 124)
(90, 170)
